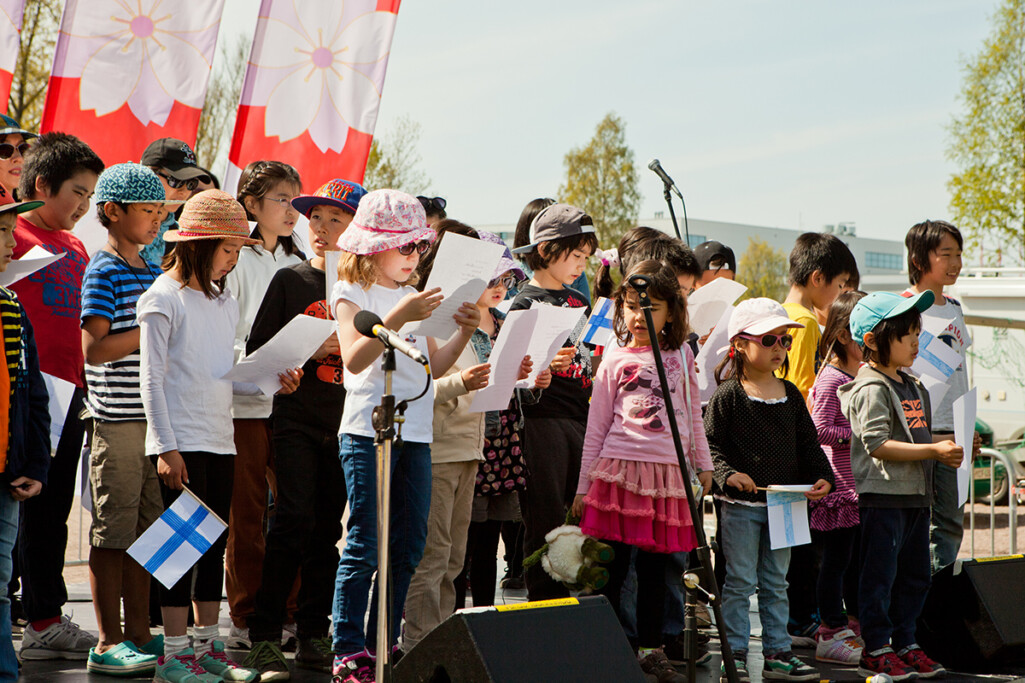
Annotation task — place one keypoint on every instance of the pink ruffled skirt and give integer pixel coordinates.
(643, 504)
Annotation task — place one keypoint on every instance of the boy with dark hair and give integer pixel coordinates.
(934, 262)
(125, 492)
(561, 240)
(24, 427)
(715, 260)
(61, 171)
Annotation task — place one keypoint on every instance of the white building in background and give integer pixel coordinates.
(875, 257)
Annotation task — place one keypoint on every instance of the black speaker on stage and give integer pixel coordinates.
(567, 640)
(975, 619)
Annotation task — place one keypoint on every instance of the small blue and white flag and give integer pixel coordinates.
(788, 516)
(178, 538)
(598, 330)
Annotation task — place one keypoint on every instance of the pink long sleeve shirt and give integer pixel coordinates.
(627, 419)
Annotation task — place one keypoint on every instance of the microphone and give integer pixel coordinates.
(369, 325)
(656, 166)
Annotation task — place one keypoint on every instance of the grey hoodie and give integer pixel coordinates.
(873, 408)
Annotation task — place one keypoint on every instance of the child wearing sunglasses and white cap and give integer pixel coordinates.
(760, 433)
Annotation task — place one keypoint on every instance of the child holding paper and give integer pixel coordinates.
(188, 319)
(760, 433)
(892, 454)
(307, 523)
(561, 240)
(381, 249)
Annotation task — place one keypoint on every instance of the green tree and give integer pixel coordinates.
(395, 161)
(764, 271)
(987, 140)
(217, 122)
(602, 179)
(40, 25)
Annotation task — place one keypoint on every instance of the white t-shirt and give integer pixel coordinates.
(186, 348)
(363, 391)
(249, 281)
(955, 335)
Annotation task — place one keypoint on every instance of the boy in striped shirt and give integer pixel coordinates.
(130, 204)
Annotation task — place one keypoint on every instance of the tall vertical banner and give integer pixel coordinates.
(126, 73)
(313, 87)
(11, 13)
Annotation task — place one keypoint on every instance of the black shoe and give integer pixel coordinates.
(513, 583)
(675, 652)
(314, 653)
(267, 658)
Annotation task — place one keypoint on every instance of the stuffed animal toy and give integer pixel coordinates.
(571, 557)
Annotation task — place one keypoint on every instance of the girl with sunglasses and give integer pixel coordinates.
(760, 433)
(376, 272)
(13, 146)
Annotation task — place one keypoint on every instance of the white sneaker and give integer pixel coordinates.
(63, 640)
(842, 648)
(238, 639)
(289, 637)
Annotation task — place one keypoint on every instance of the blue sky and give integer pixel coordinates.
(790, 114)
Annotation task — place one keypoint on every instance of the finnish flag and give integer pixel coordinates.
(598, 330)
(177, 539)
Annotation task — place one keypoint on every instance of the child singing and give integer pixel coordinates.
(631, 491)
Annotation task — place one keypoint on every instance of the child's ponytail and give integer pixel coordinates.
(603, 284)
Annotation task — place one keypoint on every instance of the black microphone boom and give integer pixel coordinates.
(369, 324)
(656, 166)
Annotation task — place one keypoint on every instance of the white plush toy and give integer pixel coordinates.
(570, 557)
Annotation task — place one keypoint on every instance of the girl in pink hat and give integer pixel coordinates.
(381, 249)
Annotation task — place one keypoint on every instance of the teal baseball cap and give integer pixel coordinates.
(130, 183)
(878, 306)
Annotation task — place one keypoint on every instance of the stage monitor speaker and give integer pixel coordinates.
(976, 618)
(556, 640)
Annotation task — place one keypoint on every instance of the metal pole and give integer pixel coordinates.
(384, 427)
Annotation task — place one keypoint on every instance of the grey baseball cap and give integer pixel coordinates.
(555, 221)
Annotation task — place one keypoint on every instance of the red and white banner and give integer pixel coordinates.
(11, 12)
(126, 73)
(313, 87)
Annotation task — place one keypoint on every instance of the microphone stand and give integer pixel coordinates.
(667, 193)
(640, 285)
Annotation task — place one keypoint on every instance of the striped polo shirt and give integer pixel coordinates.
(110, 289)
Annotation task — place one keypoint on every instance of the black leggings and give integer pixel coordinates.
(835, 586)
(651, 590)
(211, 476)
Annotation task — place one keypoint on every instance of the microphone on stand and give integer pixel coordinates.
(369, 324)
(656, 166)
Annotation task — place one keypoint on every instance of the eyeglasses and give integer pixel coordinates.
(770, 340)
(420, 247)
(7, 149)
(285, 203)
(190, 184)
(438, 203)
(507, 281)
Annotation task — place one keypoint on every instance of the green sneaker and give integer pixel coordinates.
(182, 668)
(267, 658)
(120, 660)
(740, 659)
(217, 662)
(784, 666)
(153, 647)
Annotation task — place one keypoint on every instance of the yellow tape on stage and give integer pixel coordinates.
(559, 602)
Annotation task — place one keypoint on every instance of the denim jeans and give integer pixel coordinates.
(895, 574)
(9, 509)
(752, 565)
(947, 527)
(410, 504)
(675, 602)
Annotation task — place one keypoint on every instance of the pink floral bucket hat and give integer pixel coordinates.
(385, 219)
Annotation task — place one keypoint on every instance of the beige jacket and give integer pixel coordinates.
(458, 433)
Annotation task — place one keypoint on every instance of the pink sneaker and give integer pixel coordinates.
(355, 668)
(837, 646)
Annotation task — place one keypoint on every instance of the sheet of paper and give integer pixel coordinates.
(61, 392)
(935, 357)
(965, 409)
(462, 268)
(707, 304)
(598, 330)
(711, 353)
(32, 260)
(788, 519)
(937, 389)
(505, 359)
(331, 273)
(791, 488)
(290, 348)
(553, 327)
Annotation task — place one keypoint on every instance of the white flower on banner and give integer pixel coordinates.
(313, 65)
(144, 57)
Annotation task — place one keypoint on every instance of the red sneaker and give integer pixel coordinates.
(916, 658)
(884, 661)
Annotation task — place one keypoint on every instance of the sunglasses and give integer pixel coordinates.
(507, 281)
(770, 340)
(420, 247)
(190, 184)
(7, 149)
(437, 203)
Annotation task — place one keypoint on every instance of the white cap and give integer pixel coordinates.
(759, 316)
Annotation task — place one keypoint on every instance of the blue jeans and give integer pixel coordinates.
(9, 509)
(751, 565)
(410, 504)
(947, 527)
(895, 574)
